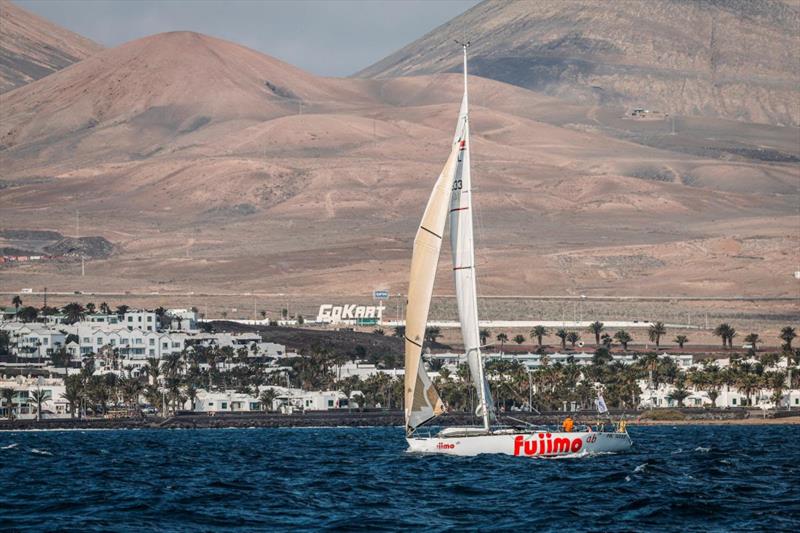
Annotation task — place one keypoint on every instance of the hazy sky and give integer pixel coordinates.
(330, 38)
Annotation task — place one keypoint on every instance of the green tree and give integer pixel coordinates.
(378, 331)
(485, 334)
(519, 339)
(432, 333)
(105, 309)
(723, 331)
(597, 329)
(562, 334)
(753, 339)
(267, 398)
(573, 337)
(90, 308)
(347, 385)
(623, 337)
(16, 301)
(8, 394)
(38, 397)
(679, 394)
(680, 340)
(27, 314)
(657, 329)
(502, 338)
(399, 331)
(788, 334)
(74, 312)
(122, 309)
(537, 333)
(61, 357)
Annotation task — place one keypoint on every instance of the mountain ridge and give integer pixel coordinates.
(709, 58)
(32, 47)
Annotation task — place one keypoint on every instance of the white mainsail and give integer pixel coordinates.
(463, 251)
(422, 402)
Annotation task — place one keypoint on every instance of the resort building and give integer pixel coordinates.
(22, 404)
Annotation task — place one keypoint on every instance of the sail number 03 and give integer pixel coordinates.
(457, 184)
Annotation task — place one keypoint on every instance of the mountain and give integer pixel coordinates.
(31, 47)
(212, 167)
(734, 59)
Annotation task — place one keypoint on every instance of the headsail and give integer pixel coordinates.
(422, 402)
(463, 248)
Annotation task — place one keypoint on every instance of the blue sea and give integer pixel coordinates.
(689, 478)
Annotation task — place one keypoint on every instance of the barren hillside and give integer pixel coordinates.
(721, 58)
(31, 47)
(211, 166)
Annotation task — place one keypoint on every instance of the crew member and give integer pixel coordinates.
(568, 424)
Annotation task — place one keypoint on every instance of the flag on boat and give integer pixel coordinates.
(601, 404)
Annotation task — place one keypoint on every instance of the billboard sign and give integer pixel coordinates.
(380, 294)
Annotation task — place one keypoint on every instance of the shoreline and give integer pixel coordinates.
(358, 419)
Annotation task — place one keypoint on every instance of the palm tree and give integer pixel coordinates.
(378, 331)
(105, 309)
(61, 357)
(122, 309)
(562, 334)
(680, 340)
(753, 340)
(623, 337)
(399, 331)
(573, 337)
(74, 312)
(16, 301)
(747, 383)
(679, 393)
(432, 333)
(657, 329)
(519, 339)
(90, 308)
(485, 334)
(597, 329)
(731, 334)
(502, 338)
(73, 392)
(267, 398)
(7, 393)
(37, 397)
(538, 332)
(787, 335)
(722, 331)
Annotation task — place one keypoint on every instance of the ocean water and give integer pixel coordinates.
(691, 478)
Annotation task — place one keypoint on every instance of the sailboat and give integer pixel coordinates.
(451, 199)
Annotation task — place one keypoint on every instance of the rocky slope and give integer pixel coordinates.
(31, 47)
(731, 59)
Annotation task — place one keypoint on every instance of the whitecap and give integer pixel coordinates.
(679, 450)
(10, 446)
(37, 451)
(640, 468)
(627, 478)
(703, 449)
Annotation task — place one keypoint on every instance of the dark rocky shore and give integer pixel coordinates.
(372, 418)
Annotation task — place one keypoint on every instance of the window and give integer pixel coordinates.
(149, 328)
(330, 403)
(176, 345)
(224, 405)
(44, 341)
(140, 318)
(152, 342)
(113, 342)
(137, 341)
(130, 319)
(149, 318)
(211, 404)
(733, 401)
(99, 341)
(87, 340)
(124, 341)
(165, 345)
(152, 351)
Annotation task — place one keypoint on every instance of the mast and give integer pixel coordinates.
(463, 252)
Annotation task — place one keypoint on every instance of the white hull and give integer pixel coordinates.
(524, 444)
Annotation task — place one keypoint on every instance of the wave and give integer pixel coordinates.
(10, 446)
(37, 451)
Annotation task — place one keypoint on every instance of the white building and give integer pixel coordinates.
(143, 320)
(535, 360)
(32, 340)
(23, 406)
(225, 402)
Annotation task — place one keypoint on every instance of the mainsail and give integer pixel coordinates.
(463, 248)
(422, 402)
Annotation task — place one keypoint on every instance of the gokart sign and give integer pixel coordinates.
(350, 313)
